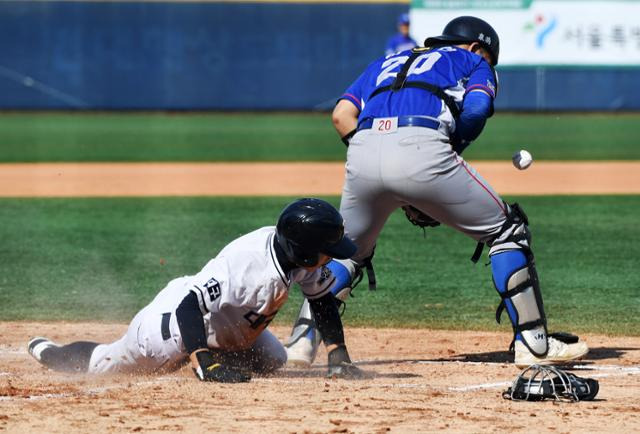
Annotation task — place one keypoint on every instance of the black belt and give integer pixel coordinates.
(404, 121)
(164, 326)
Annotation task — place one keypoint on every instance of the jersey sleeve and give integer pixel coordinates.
(207, 290)
(361, 88)
(317, 284)
(482, 78)
(354, 93)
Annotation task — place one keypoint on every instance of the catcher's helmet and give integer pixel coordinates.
(468, 29)
(308, 227)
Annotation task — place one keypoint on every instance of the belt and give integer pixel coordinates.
(164, 326)
(404, 121)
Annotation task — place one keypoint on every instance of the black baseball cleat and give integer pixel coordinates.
(37, 345)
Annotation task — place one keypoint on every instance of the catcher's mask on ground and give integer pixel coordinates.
(308, 228)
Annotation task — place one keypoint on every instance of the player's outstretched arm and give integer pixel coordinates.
(194, 339)
(207, 368)
(327, 318)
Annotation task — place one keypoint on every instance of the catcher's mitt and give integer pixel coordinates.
(418, 218)
(548, 382)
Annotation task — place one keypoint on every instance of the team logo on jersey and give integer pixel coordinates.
(491, 86)
(325, 274)
(258, 320)
(213, 288)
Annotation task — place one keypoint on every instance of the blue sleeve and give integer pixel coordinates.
(476, 108)
(356, 93)
(482, 77)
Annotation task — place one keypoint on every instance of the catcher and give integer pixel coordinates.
(217, 318)
(406, 120)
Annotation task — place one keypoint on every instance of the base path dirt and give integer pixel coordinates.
(418, 381)
(252, 179)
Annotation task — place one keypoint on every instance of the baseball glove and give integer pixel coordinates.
(208, 369)
(418, 218)
(548, 382)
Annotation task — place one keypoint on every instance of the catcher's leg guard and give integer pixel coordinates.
(302, 345)
(516, 280)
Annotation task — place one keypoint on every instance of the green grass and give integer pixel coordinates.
(28, 137)
(104, 259)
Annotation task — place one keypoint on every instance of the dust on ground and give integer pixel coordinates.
(419, 381)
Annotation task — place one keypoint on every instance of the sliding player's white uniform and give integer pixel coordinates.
(239, 292)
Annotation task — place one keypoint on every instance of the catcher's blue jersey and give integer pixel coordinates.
(455, 70)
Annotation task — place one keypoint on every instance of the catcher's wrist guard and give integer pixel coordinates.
(207, 369)
(345, 139)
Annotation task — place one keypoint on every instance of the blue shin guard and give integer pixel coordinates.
(516, 280)
(503, 265)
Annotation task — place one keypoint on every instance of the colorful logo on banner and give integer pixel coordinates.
(543, 26)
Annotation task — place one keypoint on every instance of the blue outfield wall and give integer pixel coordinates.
(235, 56)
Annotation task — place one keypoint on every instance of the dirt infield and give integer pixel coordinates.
(251, 179)
(420, 381)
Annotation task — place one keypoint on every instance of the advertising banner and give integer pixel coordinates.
(545, 32)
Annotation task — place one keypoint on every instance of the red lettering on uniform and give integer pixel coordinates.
(384, 125)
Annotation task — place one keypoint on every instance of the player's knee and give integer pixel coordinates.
(514, 233)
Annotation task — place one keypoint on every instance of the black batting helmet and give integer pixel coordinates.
(308, 227)
(468, 29)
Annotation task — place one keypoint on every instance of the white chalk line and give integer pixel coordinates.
(613, 371)
(609, 371)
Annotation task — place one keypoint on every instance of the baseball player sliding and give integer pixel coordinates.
(217, 318)
(406, 119)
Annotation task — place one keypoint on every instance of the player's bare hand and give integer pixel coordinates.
(207, 369)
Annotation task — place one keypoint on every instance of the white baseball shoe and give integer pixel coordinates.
(37, 345)
(301, 353)
(559, 353)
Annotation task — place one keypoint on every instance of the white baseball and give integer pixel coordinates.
(522, 159)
